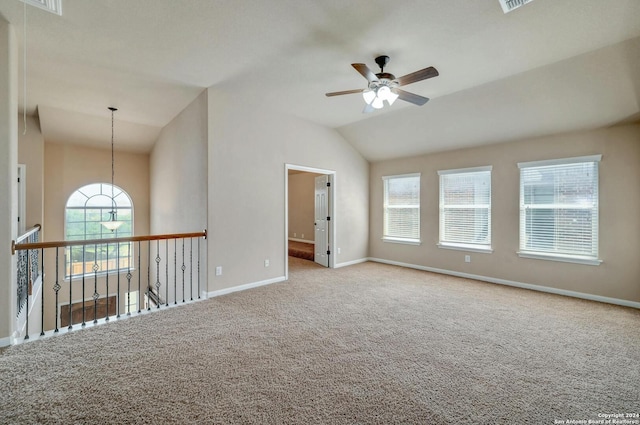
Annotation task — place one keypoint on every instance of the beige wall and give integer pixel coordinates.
(619, 274)
(8, 173)
(302, 205)
(248, 149)
(69, 167)
(31, 154)
(178, 172)
(178, 179)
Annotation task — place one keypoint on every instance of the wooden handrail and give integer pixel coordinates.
(58, 244)
(28, 233)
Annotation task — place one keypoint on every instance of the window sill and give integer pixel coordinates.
(402, 241)
(559, 257)
(465, 247)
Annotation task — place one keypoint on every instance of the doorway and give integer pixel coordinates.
(310, 213)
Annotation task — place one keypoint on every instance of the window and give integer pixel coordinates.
(559, 209)
(465, 209)
(402, 208)
(86, 208)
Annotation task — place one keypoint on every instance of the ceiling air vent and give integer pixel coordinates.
(53, 6)
(509, 5)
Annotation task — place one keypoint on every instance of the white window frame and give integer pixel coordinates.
(391, 237)
(460, 244)
(557, 255)
(105, 234)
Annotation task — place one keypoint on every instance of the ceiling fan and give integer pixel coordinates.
(384, 86)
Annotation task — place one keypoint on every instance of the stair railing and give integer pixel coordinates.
(28, 265)
(103, 278)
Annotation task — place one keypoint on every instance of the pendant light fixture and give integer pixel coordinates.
(113, 222)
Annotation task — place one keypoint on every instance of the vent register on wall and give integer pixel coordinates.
(509, 5)
(53, 6)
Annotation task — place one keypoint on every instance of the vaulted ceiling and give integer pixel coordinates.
(548, 67)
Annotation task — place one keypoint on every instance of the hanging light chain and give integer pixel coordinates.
(113, 202)
(112, 224)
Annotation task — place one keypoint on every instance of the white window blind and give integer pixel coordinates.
(559, 208)
(465, 208)
(402, 208)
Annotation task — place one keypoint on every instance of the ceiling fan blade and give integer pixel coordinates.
(410, 97)
(365, 71)
(423, 74)
(339, 93)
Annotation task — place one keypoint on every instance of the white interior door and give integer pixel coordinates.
(321, 222)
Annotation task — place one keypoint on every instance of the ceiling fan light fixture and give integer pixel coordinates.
(368, 95)
(377, 103)
(383, 92)
(391, 97)
(385, 86)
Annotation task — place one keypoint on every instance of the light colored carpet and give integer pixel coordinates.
(366, 344)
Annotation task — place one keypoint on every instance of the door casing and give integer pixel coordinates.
(332, 211)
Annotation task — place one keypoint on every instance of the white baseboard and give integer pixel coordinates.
(302, 240)
(351, 263)
(245, 287)
(6, 341)
(539, 288)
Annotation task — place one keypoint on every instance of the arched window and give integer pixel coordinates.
(86, 209)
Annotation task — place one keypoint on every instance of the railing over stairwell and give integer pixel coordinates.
(28, 264)
(105, 278)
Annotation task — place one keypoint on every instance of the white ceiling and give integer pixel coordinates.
(550, 66)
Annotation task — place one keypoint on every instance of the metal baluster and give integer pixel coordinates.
(183, 269)
(166, 280)
(42, 291)
(118, 271)
(198, 268)
(106, 319)
(56, 287)
(158, 272)
(21, 279)
(174, 275)
(190, 267)
(71, 285)
(148, 274)
(95, 295)
(139, 277)
(26, 335)
(129, 276)
(84, 272)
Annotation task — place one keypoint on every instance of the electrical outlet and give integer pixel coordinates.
(303, 236)
(219, 271)
(338, 250)
(467, 258)
(295, 235)
(266, 263)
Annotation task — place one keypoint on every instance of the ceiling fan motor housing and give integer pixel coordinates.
(382, 61)
(384, 79)
(385, 76)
